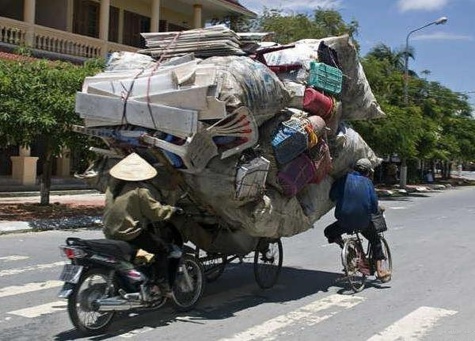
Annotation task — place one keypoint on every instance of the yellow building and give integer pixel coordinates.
(76, 30)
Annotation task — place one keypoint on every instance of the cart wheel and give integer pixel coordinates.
(267, 262)
(214, 266)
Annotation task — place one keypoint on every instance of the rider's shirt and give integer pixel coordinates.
(355, 199)
(129, 212)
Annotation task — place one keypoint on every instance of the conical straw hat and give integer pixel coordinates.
(133, 168)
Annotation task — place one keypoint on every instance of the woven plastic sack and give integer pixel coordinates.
(356, 96)
(346, 148)
(315, 200)
(242, 81)
(273, 216)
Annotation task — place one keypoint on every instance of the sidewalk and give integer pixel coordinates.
(74, 196)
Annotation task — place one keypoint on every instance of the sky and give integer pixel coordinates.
(447, 51)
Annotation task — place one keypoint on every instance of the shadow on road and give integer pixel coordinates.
(233, 292)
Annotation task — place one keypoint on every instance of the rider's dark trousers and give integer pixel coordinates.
(150, 241)
(335, 230)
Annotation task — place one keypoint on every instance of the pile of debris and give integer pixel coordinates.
(257, 134)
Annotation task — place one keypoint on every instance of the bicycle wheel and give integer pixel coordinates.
(214, 266)
(268, 262)
(386, 264)
(351, 257)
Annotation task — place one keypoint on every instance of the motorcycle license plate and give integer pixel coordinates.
(71, 273)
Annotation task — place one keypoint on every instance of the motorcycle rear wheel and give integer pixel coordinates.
(81, 309)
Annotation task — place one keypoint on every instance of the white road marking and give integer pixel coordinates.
(136, 332)
(44, 309)
(30, 287)
(305, 315)
(38, 267)
(13, 258)
(413, 326)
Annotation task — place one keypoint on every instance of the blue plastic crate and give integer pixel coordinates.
(289, 141)
(325, 77)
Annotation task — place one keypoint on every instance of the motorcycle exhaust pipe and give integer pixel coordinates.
(116, 304)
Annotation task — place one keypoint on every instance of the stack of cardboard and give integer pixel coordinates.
(214, 41)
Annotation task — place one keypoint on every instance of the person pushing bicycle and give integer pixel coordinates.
(356, 200)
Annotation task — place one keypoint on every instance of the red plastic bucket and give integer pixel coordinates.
(316, 103)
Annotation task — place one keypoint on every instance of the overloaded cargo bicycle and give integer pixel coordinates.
(255, 151)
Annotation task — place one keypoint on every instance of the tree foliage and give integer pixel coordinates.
(37, 100)
(290, 28)
(431, 125)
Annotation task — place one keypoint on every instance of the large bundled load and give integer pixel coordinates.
(255, 135)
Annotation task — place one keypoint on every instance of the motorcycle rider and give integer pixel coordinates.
(356, 200)
(133, 211)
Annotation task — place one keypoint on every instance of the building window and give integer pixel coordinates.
(173, 27)
(86, 18)
(162, 26)
(114, 24)
(134, 24)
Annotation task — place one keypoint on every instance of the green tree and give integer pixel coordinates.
(37, 100)
(429, 127)
(293, 27)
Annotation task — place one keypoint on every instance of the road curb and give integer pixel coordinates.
(7, 227)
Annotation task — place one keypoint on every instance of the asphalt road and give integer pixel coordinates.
(429, 297)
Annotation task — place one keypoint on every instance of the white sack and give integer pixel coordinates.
(356, 96)
(346, 148)
(315, 199)
(242, 81)
(128, 61)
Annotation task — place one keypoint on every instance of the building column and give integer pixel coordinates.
(29, 10)
(155, 23)
(104, 20)
(70, 15)
(24, 167)
(197, 9)
(63, 164)
(104, 16)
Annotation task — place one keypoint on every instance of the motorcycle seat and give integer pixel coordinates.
(116, 248)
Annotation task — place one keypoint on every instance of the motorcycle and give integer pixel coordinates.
(105, 277)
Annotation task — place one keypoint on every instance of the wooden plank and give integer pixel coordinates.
(193, 98)
(136, 87)
(179, 60)
(184, 71)
(205, 75)
(216, 109)
(180, 122)
(106, 77)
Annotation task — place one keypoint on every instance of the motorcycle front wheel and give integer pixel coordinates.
(82, 310)
(189, 284)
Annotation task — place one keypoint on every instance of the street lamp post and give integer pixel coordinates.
(441, 20)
